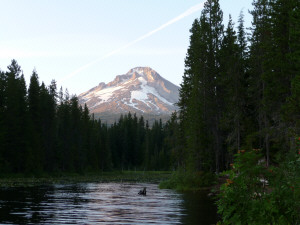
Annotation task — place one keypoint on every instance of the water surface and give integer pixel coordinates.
(103, 203)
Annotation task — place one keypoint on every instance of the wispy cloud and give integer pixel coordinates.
(188, 12)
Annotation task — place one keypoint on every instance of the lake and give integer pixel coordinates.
(104, 203)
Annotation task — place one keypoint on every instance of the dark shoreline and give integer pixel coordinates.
(25, 180)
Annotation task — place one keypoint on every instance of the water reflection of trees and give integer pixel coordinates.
(21, 205)
(198, 209)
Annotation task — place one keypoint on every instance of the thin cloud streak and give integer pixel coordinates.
(188, 12)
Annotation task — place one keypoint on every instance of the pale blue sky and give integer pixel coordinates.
(60, 38)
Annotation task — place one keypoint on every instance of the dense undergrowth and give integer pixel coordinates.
(256, 194)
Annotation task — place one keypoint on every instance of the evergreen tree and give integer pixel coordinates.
(14, 119)
(200, 95)
(2, 113)
(49, 125)
(230, 87)
(292, 106)
(36, 150)
(281, 69)
(171, 143)
(260, 43)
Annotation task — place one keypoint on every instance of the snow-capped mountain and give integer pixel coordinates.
(142, 90)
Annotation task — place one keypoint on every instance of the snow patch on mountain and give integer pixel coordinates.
(142, 94)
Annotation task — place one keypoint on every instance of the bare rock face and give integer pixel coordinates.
(142, 90)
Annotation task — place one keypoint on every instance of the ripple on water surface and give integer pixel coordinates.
(103, 203)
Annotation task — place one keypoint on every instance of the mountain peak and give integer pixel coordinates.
(149, 74)
(141, 90)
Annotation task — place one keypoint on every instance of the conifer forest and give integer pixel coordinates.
(46, 130)
(240, 90)
(241, 86)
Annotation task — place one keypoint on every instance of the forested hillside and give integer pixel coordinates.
(45, 130)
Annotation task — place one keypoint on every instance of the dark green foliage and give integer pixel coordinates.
(187, 181)
(45, 131)
(245, 95)
(254, 194)
(237, 96)
(35, 152)
(172, 135)
(14, 114)
(200, 95)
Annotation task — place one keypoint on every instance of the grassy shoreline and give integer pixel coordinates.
(190, 181)
(23, 180)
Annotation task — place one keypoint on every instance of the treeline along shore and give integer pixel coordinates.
(43, 130)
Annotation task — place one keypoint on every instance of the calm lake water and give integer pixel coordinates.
(103, 203)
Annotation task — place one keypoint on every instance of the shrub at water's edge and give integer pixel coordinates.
(185, 181)
(255, 194)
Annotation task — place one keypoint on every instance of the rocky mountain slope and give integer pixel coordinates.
(142, 91)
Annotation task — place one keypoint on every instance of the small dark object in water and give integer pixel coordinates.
(142, 192)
